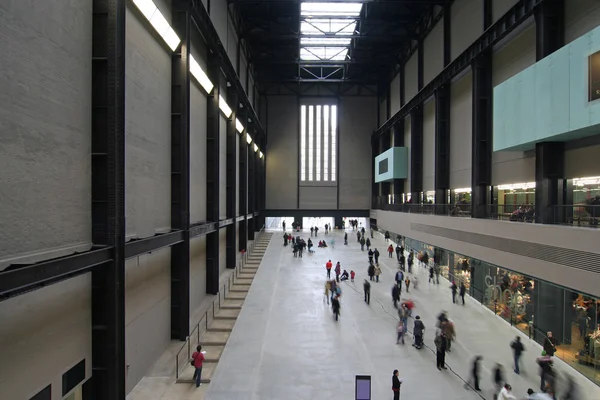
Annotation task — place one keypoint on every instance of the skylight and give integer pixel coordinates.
(325, 41)
(328, 26)
(323, 53)
(330, 9)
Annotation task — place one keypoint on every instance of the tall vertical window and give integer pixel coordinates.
(333, 142)
(311, 152)
(303, 143)
(318, 143)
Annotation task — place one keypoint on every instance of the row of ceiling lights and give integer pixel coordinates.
(164, 29)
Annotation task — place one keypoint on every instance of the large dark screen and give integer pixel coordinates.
(383, 166)
(594, 72)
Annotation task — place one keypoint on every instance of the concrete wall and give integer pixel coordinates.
(407, 143)
(433, 56)
(197, 274)
(357, 121)
(581, 16)
(410, 78)
(147, 128)
(45, 108)
(499, 8)
(429, 146)
(42, 335)
(582, 162)
(147, 312)
(395, 94)
(434, 230)
(466, 18)
(461, 111)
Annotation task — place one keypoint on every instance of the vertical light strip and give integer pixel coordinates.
(311, 119)
(303, 143)
(318, 150)
(325, 143)
(333, 143)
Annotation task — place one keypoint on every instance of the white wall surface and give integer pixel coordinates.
(583, 162)
(429, 146)
(282, 152)
(357, 121)
(197, 274)
(42, 335)
(461, 112)
(410, 78)
(581, 16)
(512, 167)
(147, 129)
(466, 24)
(515, 56)
(45, 123)
(499, 8)
(222, 167)
(147, 312)
(433, 56)
(407, 224)
(395, 94)
(219, 18)
(198, 104)
(407, 143)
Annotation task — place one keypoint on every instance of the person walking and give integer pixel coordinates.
(345, 238)
(506, 393)
(440, 346)
(316, 231)
(371, 271)
(370, 254)
(362, 244)
(449, 333)
(518, 350)
(431, 274)
(283, 225)
(418, 331)
(377, 272)
(376, 255)
(387, 236)
(402, 262)
(399, 278)
(367, 289)
(338, 271)
(454, 290)
(400, 331)
(398, 251)
(368, 243)
(390, 250)
(396, 382)
(407, 282)
(475, 372)
(545, 363)
(327, 290)
(312, 230)
(462, 291)
(197, 361)
(329, 265)
(498, 376)
(395, 295)
(358, 237)
(336, 306)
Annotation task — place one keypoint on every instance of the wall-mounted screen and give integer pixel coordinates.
(383, 166)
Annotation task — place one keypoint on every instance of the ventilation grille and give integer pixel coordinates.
(582, 260)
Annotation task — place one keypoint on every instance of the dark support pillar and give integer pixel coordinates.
(398, 140)
(375, 199)
(488, 14)
(251, 189)
(549, 27)
(108, 198)
(420, 63)
(402, 84)
(231, 186)
(481, 164)
(243, 187)
(549, 173)
(180, 172)
(212, 175)
(442, 147)
(447, 35)
(416, 154)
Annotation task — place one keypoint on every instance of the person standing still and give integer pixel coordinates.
(390, 250)
(367, 289)
(283, 225)
(376, 255)
(518, 349)
(396, 382)
(463, 290)
(329, 265)
(440, 347)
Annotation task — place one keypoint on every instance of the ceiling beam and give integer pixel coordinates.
(266, 63)
(397, 2)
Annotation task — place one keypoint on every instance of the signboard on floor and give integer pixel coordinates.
(363, 387)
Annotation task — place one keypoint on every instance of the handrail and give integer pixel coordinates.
(180, 360)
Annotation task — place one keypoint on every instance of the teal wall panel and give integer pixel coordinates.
(549, 100)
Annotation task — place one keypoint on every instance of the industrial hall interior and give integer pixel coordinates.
(299, 199)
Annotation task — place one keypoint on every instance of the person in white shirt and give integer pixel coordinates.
(505, 393)
(531, 395)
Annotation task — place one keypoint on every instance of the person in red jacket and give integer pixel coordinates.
(391, 251)
(329, 265)
(197, 361)
(352, 275)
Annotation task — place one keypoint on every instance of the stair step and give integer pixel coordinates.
(208, 369)
(232, 304)
(221, 325)
(214, 338)
(243, 281)
(239, 288)
(228, 313)
(237, 296)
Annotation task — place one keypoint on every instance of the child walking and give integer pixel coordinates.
(407, 281)
(352, 275)
(400, 330)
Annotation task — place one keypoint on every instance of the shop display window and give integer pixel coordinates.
(461, 196)
(511, 197)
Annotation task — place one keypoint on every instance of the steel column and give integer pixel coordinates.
(180, 172)
(448, 35)
(420, 63)
(243, 188)
(488, 14)
(213, 149)
(398, 141)
(549, 27)
(108, 197)
(231, 186)
(416, 154)
(549, 174)
(442, 146)
(481, 164)
(251, 190)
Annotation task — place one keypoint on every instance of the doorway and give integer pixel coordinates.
(307, 222)
(362, 222)
(276, 223)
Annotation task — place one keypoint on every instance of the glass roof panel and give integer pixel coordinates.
(316, 9)
(323, 26)
(323, 53)
(324, 41)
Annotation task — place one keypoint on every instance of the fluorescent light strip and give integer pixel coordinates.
(159, 22)
(255, 147)
(462, 190)
(248, 138)
(224, 107)
(593, 180)
(238, 126)
(260, 154)
(200, 76)
(516, 186)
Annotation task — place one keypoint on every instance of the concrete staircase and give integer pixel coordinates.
(215, 338)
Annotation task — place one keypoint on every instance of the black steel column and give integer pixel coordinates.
(549, 27)
(416, 154)
(180, 172)
(442, 146)
(549, 174)
(243, 188)
(481, 165)
(231, 186)
(488, 14)
(108, 198)
(212, 175)
(398, 141)
(447, 34)
(375, 199)
(251, 189)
